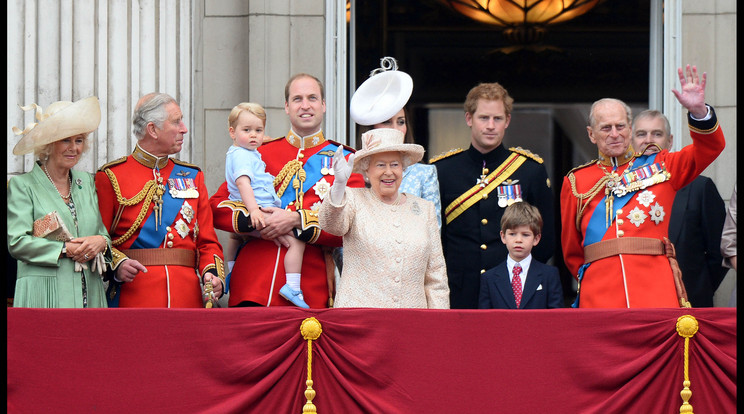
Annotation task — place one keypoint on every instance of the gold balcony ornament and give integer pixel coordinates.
(524, 21)
(310, 330)
(687, 327)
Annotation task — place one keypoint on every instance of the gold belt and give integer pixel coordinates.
(162, 257)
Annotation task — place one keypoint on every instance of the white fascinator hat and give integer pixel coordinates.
(382, 95)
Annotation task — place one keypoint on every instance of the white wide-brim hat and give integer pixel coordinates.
(381, 96)
(387, 140)
(60, 120)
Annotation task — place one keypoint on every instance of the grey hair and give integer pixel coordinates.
(628, 112)
(43, 152)
(653, 114)
(151, 109)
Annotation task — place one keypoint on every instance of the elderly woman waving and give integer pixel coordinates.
(54, 227)
(392, 249)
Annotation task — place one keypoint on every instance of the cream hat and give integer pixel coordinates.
(62, 119)
(382, 95)
(387, 140)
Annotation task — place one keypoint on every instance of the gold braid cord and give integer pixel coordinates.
(687, 327)
(581, 205)
(146, 193)
(310, 330)
(285, 176)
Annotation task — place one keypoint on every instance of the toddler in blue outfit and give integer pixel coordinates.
(248, 181)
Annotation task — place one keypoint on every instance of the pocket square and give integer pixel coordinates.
(539, 287)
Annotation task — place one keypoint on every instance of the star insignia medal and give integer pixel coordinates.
(322, 187)
(187, 211)
(182, 228)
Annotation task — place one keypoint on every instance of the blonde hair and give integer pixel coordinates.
(257, 110)
(522, 213)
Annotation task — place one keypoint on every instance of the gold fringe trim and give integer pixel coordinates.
(445, 155)
(310, 330)
(527, 153)
(687, 327)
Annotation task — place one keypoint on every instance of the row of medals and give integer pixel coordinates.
(508, 193)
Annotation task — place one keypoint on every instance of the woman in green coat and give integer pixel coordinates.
(63, 269)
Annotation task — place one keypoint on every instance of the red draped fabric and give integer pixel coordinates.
(254, 360)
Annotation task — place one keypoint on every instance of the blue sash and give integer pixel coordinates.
(644, 160)
(312, 173)
(151, 237)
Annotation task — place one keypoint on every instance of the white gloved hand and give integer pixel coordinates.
(341, 173)
(98, 264)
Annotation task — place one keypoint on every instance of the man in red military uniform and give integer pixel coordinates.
(157, 212)
(302, 164)
(615, 210)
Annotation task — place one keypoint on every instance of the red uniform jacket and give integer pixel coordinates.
(258, 273)
(648, 278)
(187, 224)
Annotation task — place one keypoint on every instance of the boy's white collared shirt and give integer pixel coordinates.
(525, 263)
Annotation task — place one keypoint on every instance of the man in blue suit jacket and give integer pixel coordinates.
(521, 282)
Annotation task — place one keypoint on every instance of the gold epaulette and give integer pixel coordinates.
(186, 164)
(582, 166)
(526, 153)
(112, 163)
(445, 155)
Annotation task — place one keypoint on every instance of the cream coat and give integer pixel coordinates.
(392, 254)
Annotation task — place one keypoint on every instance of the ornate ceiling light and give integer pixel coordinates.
(524, 21)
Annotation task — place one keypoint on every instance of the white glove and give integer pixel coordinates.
(341, 173)
(98, 264)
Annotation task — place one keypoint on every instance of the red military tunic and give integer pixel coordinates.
(258, 273)
(648, 278)
(127, 208)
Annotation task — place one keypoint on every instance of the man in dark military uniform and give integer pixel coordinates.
(477, 184)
